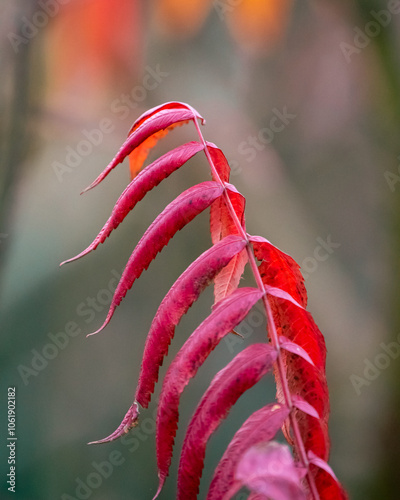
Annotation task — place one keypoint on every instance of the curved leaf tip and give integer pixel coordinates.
(128, 422)
(107, 320)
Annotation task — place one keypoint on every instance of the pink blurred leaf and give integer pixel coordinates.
(269, 469)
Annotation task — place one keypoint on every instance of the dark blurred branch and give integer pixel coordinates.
(16, 109)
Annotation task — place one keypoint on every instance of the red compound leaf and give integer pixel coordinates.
(296, 353)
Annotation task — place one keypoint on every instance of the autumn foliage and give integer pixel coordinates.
(294, 350)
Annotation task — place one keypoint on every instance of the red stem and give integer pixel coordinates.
(273, 333)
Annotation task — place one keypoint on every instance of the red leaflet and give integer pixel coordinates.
(172, 105)
(183, 293)
(139, 154)
(173, 218)
(194, 352)
(281, 294)
(262, 425)
(220, 162)
(279, 269)
(299, 327)
(156, 120)
(222, 224)
(244, 371)
(228, 280)
(301, 404)
(221, 221)
(315, 460)
(149, 178)
(269, 469)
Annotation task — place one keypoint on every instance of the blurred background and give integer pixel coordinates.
(303, 97)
